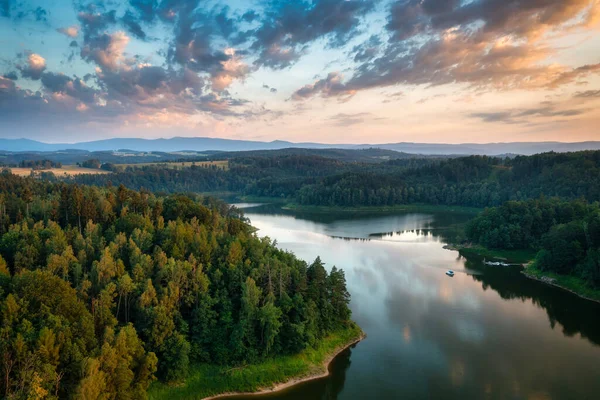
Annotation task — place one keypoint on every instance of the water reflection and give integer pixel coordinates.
(562, 308)
(488, 332)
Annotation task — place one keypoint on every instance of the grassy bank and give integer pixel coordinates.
(515, 256)
(383, 209)
(567, 282)
(209, 380)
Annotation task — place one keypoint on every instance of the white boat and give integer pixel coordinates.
(450, 272)
(497, 264)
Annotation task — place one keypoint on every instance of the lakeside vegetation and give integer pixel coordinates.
(571, 283)
(565, 235)
(104, 289)
(307, 182)
(208, 380)
(381, 209)
(519, 256)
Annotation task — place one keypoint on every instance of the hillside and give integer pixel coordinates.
(202, 144)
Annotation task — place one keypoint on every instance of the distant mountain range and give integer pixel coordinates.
(205, 144)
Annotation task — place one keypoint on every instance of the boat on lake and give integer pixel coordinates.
(496, 263)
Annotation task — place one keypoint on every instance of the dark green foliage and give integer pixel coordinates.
(39, 164)
(566, 233)
(103, 288)
(92, 163)
(308, 179)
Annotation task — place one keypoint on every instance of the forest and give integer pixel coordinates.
(104, 289)
(39, 164)
(565, 234)
(475, 181)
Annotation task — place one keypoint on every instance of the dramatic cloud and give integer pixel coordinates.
(106, 50)
(186, 62)
(33, 67)
(486, 43)
(287, 27)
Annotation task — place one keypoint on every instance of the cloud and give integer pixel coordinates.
(524, 19)
(231, 69)
(574, 74)
(367, 50)
(482, 44)
(106, 50)
(328, 87)
(5, 6)
(196, 51)
(130, 21)
(146, 9)
(71, 31)
(343, 119)
(73, 87)
(287, 27)
(546, 110)
(34, 66)
(6, 85)
(588, 94)
(93, 22)
(22, 10)
(12, 75)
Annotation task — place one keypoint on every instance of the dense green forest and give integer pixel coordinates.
(476, 181)
(566, 234)
(102, 289)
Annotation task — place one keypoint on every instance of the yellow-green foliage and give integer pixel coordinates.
(207, 380)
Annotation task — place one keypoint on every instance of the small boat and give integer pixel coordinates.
(496, 264)
(450, 272)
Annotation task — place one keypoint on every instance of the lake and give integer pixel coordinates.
(486, 333)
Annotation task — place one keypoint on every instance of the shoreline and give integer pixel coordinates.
(294, 381)
(548, 280)
(557, 285)
(520, 257)
(399, 208)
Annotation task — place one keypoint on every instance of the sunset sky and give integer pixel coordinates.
(330, 71)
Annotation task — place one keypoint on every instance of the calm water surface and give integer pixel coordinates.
(486, 333)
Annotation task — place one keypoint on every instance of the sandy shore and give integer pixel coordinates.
(294, 381)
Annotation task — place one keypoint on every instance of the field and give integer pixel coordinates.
(66, 170)
(224, 164)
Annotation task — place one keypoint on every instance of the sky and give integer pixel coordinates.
(329, 71)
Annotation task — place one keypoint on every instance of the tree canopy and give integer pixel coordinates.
(103, 289)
